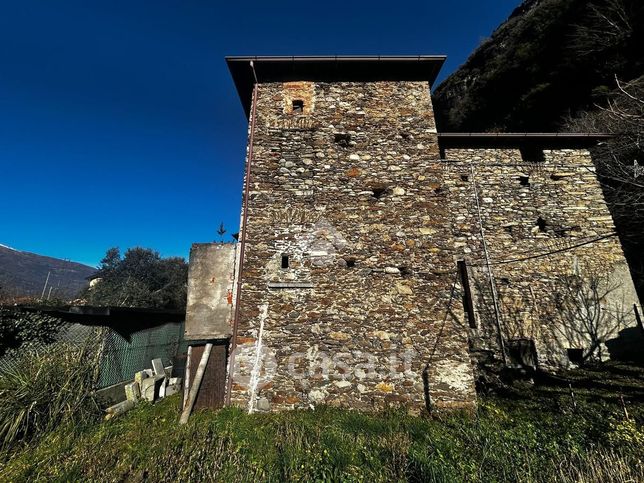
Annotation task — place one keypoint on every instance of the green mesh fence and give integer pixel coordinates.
(123, 355)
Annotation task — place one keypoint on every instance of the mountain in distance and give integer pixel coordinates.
(549, 60)
(24, 274)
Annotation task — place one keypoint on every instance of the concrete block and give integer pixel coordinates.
(157, 367)
(139, 376)
(150, 388)
(133, 391)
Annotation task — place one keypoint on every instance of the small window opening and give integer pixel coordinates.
(441, 152)
(343, 139)
(438, 190)
(576, 356)
(541, 223)
(532, 154)
(379, 192)
(405, 135)
(298, 106)
(405, 271)
(522, 352)
(284, 261)
(351, 262)
(468, 304)
(524, 180)
(504, 281)
(465, 177)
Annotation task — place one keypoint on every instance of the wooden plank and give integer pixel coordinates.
(213, 385)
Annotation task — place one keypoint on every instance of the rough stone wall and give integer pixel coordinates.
(350, 292)
(529, 210)
(350, 190)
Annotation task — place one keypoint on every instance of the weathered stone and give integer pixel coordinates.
(403, 217)
(384, 387)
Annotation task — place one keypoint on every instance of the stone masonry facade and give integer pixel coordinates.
(547, 227)
(356, 222)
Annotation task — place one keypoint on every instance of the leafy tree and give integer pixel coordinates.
(140, 278)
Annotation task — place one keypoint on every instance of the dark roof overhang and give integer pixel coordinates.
(544, 140)
(124, 320)
(330, 69)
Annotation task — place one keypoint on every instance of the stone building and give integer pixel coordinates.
(379, 261)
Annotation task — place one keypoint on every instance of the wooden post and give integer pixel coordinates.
(194, 390)
(638, 318)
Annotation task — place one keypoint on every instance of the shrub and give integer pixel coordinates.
(23, 329)
(45, 388)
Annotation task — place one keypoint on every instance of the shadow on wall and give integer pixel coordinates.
(628, 346)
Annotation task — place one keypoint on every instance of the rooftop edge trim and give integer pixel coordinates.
(330, 69)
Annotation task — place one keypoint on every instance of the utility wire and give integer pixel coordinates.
(540, 255)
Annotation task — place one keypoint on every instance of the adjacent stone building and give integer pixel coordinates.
(379, 261)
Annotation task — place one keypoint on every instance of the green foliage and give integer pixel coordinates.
(506, 440)
(45, 389)
(141, 278)
(26, 329)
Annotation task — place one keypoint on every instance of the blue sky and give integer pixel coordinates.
(120, 125)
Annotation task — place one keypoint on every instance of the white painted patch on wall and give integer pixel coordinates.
(254, 375)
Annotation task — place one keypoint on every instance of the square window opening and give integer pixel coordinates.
(298, 106)
(532, 154)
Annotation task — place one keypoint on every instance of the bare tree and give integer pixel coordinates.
(620, 164)
(607, 25)
(585, 316)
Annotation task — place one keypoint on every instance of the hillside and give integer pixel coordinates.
(24, 274)
(550, 59)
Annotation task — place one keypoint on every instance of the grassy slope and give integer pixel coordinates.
(530, 434)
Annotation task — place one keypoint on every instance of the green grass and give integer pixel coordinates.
(503, 441)
(530, 433)
(45, 388)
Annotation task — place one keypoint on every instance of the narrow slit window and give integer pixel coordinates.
(351, 262)
(524, 180)
(298, 106)
(468, 304)
(284, 261)
(379, 191)
(541, 223)
(342, 139)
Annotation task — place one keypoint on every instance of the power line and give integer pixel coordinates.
(540, 255)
